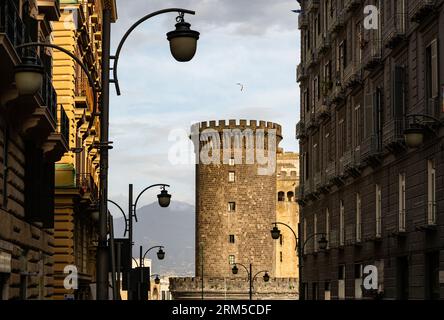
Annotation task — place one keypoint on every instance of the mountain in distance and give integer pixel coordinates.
(173, 228)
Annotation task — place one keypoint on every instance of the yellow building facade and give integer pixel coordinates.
(287, 211)
(77, 173)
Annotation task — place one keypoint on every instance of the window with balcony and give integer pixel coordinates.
(402, 203)
(341, 133)
(341, 223)
(358, 218)
(431, 192)
(432, 77)
(378, 211)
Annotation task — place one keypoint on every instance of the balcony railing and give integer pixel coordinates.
(337, 22)
(312, 58)
(323, 112)
(301, 74)
(393, 135)
(49, 96)
(325, 43)
(350, 5)
(301, 133)
(312, 121)
(312, 5)
(87, 185)
(373, 54)
(395, 30)
(330, 171)
(302, 21)
(317, 180)
(63, 125)
(370, 149)
(345, 162)
(10, 22)
(420, 9)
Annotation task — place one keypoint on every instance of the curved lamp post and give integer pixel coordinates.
(28, 77)
(251, 277)
(415, 133)
(323, 242)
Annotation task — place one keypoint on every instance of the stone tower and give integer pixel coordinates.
(235, 195)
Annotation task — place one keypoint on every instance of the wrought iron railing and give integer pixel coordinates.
(63, 124)
(49, 95)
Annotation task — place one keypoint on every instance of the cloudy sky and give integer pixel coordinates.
(253, 42)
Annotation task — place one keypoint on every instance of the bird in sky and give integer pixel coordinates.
(297, 11)
(241, 86)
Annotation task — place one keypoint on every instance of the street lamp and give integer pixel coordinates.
(160, 254)
(251, 278)
(156, 279)
(164, 198)
(415, 133)
(323, 243)
(183, 40)
(28, 76)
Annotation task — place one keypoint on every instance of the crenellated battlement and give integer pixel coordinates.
(221, 125)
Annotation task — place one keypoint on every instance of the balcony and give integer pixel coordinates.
(301, 133)
(338, 95)
(371, 151)
(395, 30)
(302, 21)
(312, 122)
(393, 135)
(317, 180)
(50, 8)
(330, 173)
(87, 187)
(301, 73)
(312, 58)
(325, 43)
(337, 22)
(323, 112)
(373, 54)
(13, 29)
(351, 5)
(354, 77)
(421, 9)
(312, 6)
(345, 162)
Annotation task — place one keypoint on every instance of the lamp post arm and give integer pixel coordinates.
(143, 191)
(263, 271)
(310, 237)
(246, 269)
(135, 260)
(80, 63)
(294, 233)
(146, 252)
(123, 213)
(414, 115)
(128, 32)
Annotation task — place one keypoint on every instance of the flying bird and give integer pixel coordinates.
(241, 86)
(297, 11)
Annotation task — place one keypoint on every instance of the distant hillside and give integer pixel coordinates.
(172, 227)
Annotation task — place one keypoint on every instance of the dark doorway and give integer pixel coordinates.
(432, 276)
(402, 278)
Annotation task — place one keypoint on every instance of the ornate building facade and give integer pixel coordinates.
(32, 139)
(77, 173)
(366, 83)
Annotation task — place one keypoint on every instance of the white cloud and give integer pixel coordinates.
(160, 95)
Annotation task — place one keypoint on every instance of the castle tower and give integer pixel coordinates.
(235, 195)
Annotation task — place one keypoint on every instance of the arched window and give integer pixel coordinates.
(290, 196)
(281, 196)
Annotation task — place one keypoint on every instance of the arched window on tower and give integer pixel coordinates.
(290, 196)
(281, 196)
